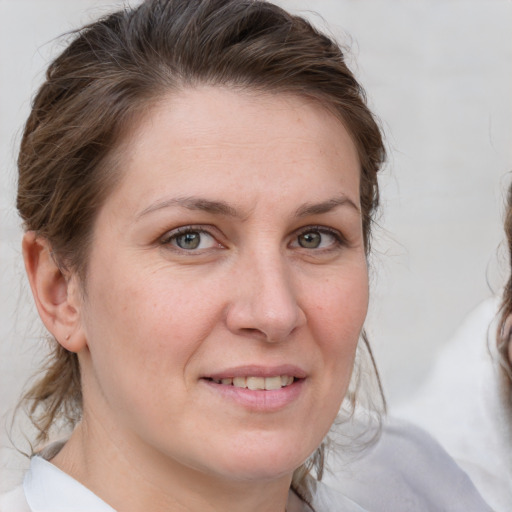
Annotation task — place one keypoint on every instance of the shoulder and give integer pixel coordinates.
(406, 444)
(408, 470)
(328, 499)
(14, 501)
(407, 449)
(465, 408)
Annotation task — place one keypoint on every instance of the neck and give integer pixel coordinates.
(130, 477)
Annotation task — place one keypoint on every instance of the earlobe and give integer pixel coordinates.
(56, 294)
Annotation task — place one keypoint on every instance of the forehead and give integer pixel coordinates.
(197, 136)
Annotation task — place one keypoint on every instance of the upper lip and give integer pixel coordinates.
(258, 371)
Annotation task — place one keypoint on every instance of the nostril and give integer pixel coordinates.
(253, 331)
(270, 313)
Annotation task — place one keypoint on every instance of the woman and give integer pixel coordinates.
(197, 181)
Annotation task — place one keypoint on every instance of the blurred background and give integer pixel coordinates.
(438, 74)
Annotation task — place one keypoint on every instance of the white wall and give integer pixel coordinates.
(438, 74)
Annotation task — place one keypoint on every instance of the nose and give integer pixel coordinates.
(265, 303)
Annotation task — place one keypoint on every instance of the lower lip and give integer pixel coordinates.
(259, 400)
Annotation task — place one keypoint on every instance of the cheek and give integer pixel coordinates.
(339, 309)
(144, 311)
(144, 331)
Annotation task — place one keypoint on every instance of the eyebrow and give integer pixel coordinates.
(193, 203)
(326, 206)
(223, 208)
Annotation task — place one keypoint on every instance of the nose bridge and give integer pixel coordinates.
(266, 301)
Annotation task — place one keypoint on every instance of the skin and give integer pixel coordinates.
(258, 180)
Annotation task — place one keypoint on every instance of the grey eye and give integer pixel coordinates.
(191, 239)
(310, 240)
(188, 241)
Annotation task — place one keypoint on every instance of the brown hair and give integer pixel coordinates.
(504, 328)
(111, 73)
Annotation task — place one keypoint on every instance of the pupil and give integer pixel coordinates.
(310, 240)
(188, 241)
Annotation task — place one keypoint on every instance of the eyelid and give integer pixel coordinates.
(165, 240)
(171, 234)
(335, 233)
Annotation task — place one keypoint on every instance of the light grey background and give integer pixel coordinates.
(438, 74)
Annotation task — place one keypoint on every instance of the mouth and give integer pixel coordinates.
(255, 383)
(259, 388)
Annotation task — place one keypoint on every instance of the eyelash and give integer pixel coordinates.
(166, 240)
(338, 237)
(176, 233)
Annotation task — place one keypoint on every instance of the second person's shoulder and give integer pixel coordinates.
(406, 469)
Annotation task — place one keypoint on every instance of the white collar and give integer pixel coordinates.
(48, 489)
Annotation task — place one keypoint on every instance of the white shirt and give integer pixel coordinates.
(48, 489)
(407, 471)
(462, 406)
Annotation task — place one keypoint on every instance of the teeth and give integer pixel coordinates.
(239, 382)
(273, 383)
(257, 383)
(286, 380)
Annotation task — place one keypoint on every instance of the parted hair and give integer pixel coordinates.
(110, 74)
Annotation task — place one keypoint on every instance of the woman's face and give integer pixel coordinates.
(227, 285)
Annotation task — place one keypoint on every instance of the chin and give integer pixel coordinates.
(262, 460)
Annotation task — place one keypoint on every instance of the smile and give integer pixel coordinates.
(261, 389)
(257, 383)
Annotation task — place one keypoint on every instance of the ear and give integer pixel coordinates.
(56, 293)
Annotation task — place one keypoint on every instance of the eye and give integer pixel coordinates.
(311, 240)
(190, 239)
(317, 238)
